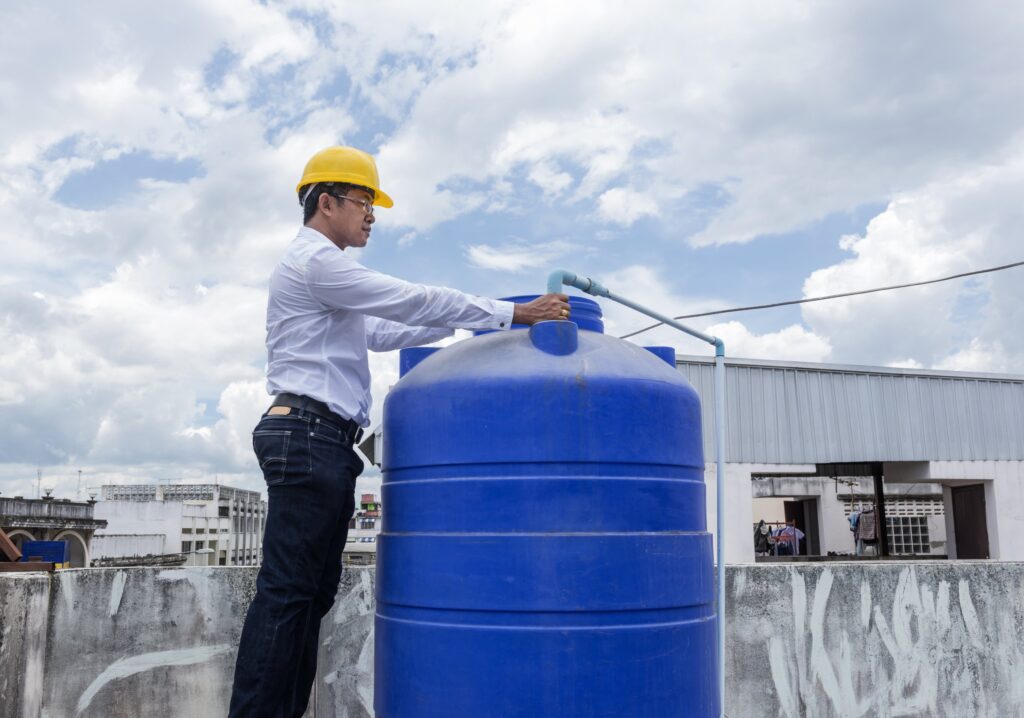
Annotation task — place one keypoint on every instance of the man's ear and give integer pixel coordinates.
(323, 203)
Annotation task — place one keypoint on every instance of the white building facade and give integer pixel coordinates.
(212, 525)
(962, 434)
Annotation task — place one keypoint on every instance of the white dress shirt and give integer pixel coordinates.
(325, 310)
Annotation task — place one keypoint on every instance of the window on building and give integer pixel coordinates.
(908, 535)
(186, 530)
(186, 546)
(223, 511)
(200, 544)
(366, 523)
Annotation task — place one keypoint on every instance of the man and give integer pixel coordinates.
(325, 311)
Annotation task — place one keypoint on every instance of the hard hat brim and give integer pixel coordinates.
(380, 197)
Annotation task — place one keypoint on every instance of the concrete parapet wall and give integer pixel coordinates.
(842, 639)
(123, 643)
(876, 639)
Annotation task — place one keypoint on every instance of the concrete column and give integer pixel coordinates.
(947, 508)
(993, 517)
(739, 511)
(739, 508)
(833, 526)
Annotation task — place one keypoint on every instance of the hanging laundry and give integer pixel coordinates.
(762, 538)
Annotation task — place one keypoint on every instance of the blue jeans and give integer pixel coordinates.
(311, 473)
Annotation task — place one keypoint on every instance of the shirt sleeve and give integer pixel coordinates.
(384, 335)
(340, 282)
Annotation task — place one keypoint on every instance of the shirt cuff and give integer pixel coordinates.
(503, 312)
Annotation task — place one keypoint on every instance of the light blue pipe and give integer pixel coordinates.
(588, 285)
(555, 281)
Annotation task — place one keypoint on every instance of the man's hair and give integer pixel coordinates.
(310, 201)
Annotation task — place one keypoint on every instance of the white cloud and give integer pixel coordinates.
(965, 222)
(114, 358)
(784, 110)
(984, 356)
(518, 256)
(549, 178)
(792, 343)
(647, 288)
(624, 206)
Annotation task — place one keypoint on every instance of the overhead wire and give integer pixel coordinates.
(829, 296)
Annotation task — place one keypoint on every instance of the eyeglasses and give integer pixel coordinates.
(366, 204)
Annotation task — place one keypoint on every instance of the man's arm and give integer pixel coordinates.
(342, 283)
(384, 335)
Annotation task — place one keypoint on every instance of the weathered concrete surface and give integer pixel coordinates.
(24, 600)
(876, 640)
(839, 639)
(123, 643)
(345, 663)
(130, 642)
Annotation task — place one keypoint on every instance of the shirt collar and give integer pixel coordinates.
(310, 233)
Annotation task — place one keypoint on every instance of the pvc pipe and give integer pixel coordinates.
(555, 281)
(588, 285)
(720, 513)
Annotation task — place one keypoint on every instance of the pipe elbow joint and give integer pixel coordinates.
(719, 347)
(559, 277)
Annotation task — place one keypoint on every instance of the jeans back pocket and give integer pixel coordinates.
(271, 447)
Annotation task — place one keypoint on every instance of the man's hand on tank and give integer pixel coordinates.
(543, 308)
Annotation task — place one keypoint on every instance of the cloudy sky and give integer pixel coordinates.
(691, 155)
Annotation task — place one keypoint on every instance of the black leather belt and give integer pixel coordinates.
(353, 432)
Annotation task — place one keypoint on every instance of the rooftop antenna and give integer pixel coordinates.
(39, 483)
(78, 491)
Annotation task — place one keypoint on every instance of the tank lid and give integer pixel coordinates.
(584, 313)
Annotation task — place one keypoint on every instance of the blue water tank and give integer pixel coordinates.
(544, 550)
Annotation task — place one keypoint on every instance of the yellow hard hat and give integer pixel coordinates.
(345, 164)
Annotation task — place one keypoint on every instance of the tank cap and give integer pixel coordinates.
(558, 337)
(667, 354)
(408, 358)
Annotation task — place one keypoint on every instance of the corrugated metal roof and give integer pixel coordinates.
(800, 413)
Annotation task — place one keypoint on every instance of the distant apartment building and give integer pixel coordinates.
(208, 524)
(49, 519)
(363, 529)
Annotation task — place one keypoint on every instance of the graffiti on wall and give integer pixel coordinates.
(859, 647)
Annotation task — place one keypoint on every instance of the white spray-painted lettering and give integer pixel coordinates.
(969, 614)
(116, 592)
(916, 646)
(37, 618)
(145, 662)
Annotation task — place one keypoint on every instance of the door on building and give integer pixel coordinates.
(804, 513)
(969, 523)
